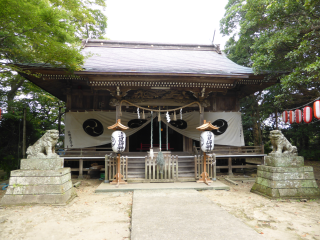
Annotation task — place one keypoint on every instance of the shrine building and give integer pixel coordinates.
(162, 92)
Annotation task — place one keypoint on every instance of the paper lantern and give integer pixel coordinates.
(298, 114)
(285, 116)
(207, 141)
(316, 109)
(118, 141)
(291, 117)
(307, 114)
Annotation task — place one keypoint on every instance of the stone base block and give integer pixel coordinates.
(291, 193)
(284, 160)
(38, 187)
(41, 164)
(286, 182)
(12, 199)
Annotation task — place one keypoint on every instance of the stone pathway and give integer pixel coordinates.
(183, 214)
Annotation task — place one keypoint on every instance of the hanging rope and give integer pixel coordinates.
(151, 140)
(307, 104)
(149, 109)
(167, 135)
(159, 132)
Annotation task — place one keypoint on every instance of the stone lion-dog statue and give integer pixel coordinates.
(45, 146)
(280, 143)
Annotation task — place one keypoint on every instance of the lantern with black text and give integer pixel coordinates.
(285, 116)
(307, 114)
(118, 141)
(207, 141)
(316, 109)
(207, 144)
(291, 117)
(298, 114)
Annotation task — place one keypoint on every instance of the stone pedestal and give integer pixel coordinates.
(285, 176)
(39, 181)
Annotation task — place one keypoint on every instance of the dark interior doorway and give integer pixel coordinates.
(143, 136)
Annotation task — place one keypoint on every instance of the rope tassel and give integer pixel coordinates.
(174, 116)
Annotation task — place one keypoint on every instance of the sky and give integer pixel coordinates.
(166, 21)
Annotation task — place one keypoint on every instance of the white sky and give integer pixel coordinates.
(165, 21)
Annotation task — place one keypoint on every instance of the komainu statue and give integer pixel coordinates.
(280, 143)
(45, 146)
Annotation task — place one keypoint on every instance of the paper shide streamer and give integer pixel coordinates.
(168, 117)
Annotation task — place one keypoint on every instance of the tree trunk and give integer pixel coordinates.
(256, 124)
(15, 84)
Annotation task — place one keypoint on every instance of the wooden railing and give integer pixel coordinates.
(225, 150)
(169, 172)
(210, 166)
(82, 152)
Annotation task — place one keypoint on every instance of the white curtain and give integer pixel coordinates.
(233, 136)
(76, 137)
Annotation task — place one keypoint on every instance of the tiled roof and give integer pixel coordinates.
(154, 58)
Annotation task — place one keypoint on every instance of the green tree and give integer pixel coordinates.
(40, 33)
(280, 38)
(277, 37)
(42, 114)
(47, 31)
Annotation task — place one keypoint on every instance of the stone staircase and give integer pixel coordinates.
(186, 168)
(136, 166)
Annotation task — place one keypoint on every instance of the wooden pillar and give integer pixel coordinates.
(69, 99)
(80, 99)
(127, 145)
(106, 169)
(59, 121)
(230, 166)
(80, 169)
(24, 140)
(95, 100)
(184, 143)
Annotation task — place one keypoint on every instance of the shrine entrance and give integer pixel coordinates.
(140, 141)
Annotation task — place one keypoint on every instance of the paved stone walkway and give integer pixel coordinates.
(183, 214)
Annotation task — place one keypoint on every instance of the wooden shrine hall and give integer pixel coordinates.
(162, 92)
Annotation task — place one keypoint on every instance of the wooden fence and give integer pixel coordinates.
(169, 173)
(210, 165)
(111, 169)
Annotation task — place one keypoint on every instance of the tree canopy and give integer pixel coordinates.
(47, 31)
(41, 32)
(282, 39)
(277, 37)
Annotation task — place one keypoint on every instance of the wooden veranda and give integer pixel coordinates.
(182, 164)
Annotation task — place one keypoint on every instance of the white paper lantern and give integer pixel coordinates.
(118, 141)
(292, 117)
(207, 141)
(298, 114)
